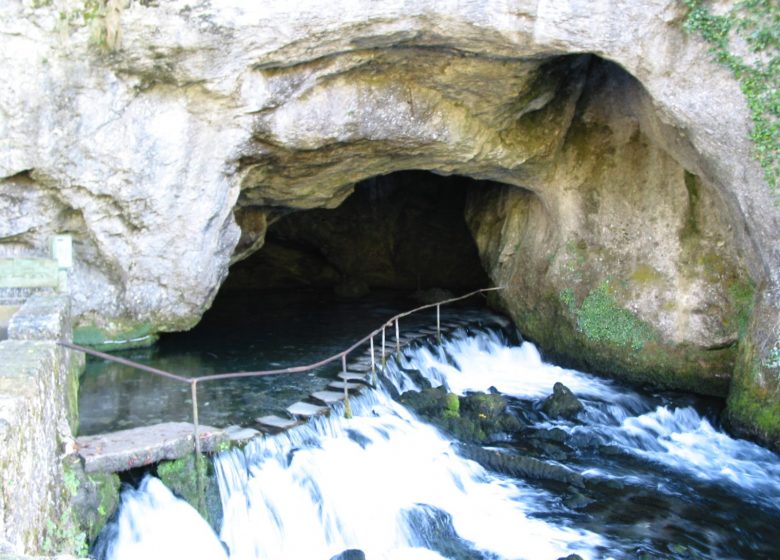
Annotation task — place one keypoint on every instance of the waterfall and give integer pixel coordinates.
(394, 487)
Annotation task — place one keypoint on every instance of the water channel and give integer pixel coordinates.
(659, 477)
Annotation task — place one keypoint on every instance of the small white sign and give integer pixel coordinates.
(62, 250)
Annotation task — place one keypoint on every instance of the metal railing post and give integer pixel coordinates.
(198, 458)
(384, 361)
(347, 407)
(397, 340)
(373, 363)
(438, 323)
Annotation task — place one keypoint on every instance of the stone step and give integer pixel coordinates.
(351, 387)
(306, 410)
(360, 367)
(138, 447)
(355, 377)
(240, 434)
(275, 424)
(328, 397)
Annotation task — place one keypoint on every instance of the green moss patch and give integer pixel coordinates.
(602, 320)
(757, 23)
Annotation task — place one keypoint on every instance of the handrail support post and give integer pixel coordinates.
(347, 407)
(438, 323)
(373, 363)
(397, 339)
(198, 457)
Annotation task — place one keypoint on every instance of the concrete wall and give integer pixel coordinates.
(38, 415)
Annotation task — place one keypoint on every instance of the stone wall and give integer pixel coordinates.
(38, 415)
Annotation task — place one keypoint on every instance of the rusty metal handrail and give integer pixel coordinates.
(193, 381)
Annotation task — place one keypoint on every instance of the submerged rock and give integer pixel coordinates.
(562, 403)
(520, 466)
(476, 417)
(350, 554)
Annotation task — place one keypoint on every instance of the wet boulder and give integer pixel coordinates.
(475, 418)
(521, 466)
(350, 554)
(562, 403)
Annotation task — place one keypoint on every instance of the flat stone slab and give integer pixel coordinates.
(274, 424)
(355, 377)
(138, 447)
(240, 434)
(328, 397)
(349, 386)
(306, 410)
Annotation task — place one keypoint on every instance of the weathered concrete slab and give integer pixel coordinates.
(328, 397)
(355, 377)
(128, 449)
(341, 385)
(306, 410)
(275, 424)
(42, 317)
(240, 434)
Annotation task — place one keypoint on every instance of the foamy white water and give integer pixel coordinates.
(683, 440)
(385, 483)
(679, 438)
(153, 524)
(341, 484)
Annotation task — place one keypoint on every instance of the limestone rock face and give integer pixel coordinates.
(633, 227)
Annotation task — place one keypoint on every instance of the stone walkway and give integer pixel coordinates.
(128, 449)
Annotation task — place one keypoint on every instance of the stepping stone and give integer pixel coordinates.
(306, 410)
(275, 424)
(239, 434)
(360, 367)
(328, 397)
(138, 447)
(351, 387)
(355, 377)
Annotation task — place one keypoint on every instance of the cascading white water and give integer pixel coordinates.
(393, 486)
(340, 484)
(679, 438)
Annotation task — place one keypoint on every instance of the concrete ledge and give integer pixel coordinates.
(42, 317)
(138, 447)
(38, 410)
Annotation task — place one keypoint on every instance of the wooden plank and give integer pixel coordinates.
(28, 273)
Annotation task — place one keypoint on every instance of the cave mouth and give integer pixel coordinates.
(403, 233)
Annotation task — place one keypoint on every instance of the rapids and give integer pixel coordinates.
(662, 479)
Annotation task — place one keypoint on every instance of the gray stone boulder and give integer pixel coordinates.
(562, 403)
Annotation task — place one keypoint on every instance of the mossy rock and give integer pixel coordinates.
(197, 487)
(471, 418)
(94, 497)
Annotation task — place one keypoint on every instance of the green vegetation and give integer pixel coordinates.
(757, 23)
(601, 319)
(452, 409)
(741, 295)
(65, 535)
(772, 361)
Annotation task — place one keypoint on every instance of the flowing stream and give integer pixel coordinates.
(661, 479)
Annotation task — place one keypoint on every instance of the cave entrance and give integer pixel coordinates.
(404, 232)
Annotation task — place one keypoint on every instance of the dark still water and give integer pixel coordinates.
(244, 332)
